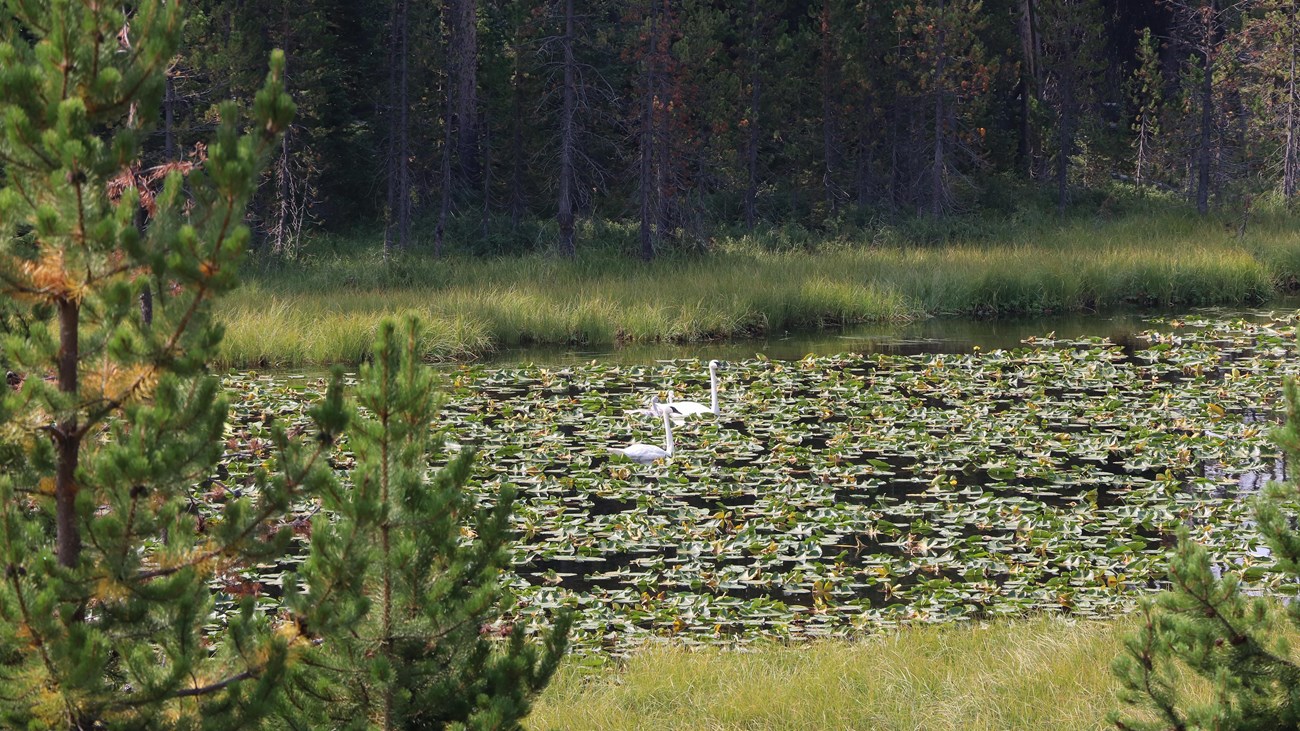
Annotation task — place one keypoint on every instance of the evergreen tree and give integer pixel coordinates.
(403, 577)
(1207, 625)
(105, 599)
(1145, 91)
(1268, 44)
(1070, 33)
(946, 67)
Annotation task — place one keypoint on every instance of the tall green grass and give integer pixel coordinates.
(1043, 673)
(323, 309)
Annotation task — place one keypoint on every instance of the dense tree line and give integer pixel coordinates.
(689, 115)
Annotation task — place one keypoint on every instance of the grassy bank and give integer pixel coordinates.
(325, 308)
(1027, 674)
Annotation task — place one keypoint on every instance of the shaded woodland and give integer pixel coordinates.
(497, 126)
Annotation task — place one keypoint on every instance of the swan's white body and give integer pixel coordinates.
(648, 453)
(690, 408)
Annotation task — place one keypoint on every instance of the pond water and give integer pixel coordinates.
(929, 335)
(839, 494)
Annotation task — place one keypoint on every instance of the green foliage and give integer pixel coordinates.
(404, 573)
(106, 601)
(1207, 624)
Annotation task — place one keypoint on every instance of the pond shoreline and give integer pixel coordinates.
(324, 310)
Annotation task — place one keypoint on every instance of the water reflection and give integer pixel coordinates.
(928, 336)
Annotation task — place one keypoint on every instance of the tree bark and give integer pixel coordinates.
(1289, 161)
(403, 139)
(444, 208)
(1207, 122)
(650, 191)
(393, 176)
(938, 187)
(828, 110)
(752, 138)
(1030, 83)
(464, 61)
(68, 440)
(1065, 138)
(169, 118)
(517, 199)
(564, 213)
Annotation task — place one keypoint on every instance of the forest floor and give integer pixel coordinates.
(324, 306)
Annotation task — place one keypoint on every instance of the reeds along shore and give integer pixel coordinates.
(324, 309)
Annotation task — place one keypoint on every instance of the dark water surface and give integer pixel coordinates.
(931, 335)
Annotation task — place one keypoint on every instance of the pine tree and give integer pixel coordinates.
(1145, 93)
(403, 576)
(945, 66)
(105, 597)
(1207, 625)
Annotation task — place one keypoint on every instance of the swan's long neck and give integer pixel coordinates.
(668, 433)
(713, 387)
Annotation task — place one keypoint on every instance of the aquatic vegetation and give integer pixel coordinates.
(838, 495)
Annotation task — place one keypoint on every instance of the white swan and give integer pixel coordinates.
(647, 453)
(689, 408)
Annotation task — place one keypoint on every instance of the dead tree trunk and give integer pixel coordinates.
(1203, 153)
(1289, 173)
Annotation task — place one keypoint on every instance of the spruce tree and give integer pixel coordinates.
(106, 609)
(1206, 625)
(403, 578)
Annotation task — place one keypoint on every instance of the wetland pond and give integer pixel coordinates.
(837, 494)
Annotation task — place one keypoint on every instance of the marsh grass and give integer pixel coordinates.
(323, 309)
(1040, 673)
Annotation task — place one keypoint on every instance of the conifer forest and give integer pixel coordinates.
(686, 117)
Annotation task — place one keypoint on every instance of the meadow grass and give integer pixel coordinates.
(1038, 673)
(325, 308)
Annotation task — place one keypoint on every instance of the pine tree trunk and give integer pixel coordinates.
(564, 214)
(392, 177)
(828, 111)
(464, 60)
(938, 187)
(169, 118)
(1065, 139)
(751, 149)
(404, 129)
(1207, 121)
(1289, 163)
(1030, 83)
(517, 200)
(1142, 148)
(444, 208)
(649, 141)
(485, 137)
(68, 440)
